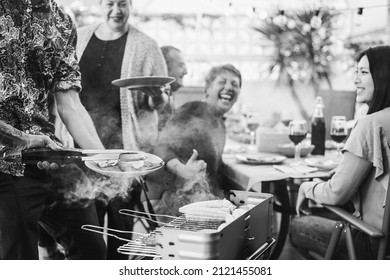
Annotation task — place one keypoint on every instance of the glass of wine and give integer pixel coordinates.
(253, 123)
(338, 131)
(286, 117)
(297, 132)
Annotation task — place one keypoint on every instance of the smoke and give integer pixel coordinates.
(197, 189)
(75, 186)
(194, 126)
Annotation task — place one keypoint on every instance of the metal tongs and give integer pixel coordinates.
(139, 247)
(99, 229)
(144, 215)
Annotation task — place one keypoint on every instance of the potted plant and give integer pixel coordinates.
(302, 47)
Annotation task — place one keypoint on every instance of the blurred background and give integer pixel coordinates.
(288, 51)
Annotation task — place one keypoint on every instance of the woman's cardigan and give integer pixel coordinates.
(142, 57)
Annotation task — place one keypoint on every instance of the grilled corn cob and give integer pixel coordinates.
(205, 214)
(218, 204)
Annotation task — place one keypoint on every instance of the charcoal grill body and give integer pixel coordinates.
(238, 240)
(246, 237)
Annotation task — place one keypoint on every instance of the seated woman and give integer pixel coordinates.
(364, 168)
(196, 130)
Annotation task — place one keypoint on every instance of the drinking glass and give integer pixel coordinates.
(297, 132)
(286, 117)
(253, 123)
(338, 131)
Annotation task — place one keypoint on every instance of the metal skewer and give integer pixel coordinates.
(144, 215)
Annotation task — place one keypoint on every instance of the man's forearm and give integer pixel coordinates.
(81, 128)
(12, 137)
(89, 123)
(77, 121)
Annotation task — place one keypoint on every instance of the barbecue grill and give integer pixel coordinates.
(246, 237)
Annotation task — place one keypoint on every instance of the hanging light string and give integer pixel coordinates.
(361, 8)
(316, 21)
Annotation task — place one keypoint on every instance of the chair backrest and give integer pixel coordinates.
(383, 233)
(384, 242)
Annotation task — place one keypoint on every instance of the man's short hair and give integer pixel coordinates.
(166, 50)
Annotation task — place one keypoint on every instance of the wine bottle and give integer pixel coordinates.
(318, 128)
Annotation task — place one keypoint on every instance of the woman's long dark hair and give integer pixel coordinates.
(379, 60)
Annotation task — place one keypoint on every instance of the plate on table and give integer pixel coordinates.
(141, 82)
(324, 164)
(152, 163)
(258, 159)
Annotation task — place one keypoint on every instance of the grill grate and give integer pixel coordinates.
(142, 247)
(182, 223)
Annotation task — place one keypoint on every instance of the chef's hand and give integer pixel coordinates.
(40, 141)
(45, 165)
(302, 201)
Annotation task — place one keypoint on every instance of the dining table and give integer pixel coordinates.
(277, 175)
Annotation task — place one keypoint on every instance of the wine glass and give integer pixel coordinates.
(338, 131)
(286, 117)
(297, 132)
(253, 123)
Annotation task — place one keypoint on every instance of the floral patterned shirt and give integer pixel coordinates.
(37, 58)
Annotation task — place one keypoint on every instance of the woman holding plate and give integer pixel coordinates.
(111, 50)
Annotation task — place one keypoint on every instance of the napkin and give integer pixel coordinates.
(299, 169)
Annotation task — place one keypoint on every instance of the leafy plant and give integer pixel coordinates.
(302, 47)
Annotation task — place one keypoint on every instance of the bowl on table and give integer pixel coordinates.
(288, 150)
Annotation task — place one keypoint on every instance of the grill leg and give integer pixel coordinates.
(281, 205)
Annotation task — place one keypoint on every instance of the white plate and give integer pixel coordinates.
(260, 158)
(140, 82)
(324, 164)
(115, 171)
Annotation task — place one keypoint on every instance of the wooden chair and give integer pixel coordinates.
(345, 226)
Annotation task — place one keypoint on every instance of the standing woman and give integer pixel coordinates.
(363, 170)
(126, 119)
(111, 50)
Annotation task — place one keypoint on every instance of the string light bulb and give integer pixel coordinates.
(230, 10)
(358, 20)
(280, 19)
(252, 13)
(316, 21)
